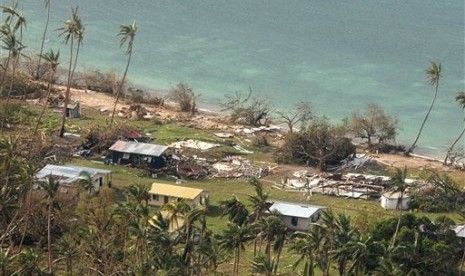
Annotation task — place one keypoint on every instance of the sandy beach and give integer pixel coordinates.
(208, 120)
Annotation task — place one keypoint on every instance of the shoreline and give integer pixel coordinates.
(212, 120)
(208, 108)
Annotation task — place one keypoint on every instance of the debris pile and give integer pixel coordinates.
(238, 167)
(351, 185)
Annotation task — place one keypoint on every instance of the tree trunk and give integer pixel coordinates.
(398, 220)
(68, 87)
(453, 144)
(43, 41)
(410, 150)
(46, 104)
(49, 236)
(120, 87)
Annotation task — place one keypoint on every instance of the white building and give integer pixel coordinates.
(391, 200)
(297, 216)
(68, 176)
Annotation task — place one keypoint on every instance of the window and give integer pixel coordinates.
(156, 197)
(165, 200)
(294, 221)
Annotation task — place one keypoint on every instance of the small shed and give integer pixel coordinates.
(161, 194)
(392, 200)
(297, 216)
(69, 175)
(73, 110)
(138, 154)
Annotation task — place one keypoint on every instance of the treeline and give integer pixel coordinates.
(43, 233)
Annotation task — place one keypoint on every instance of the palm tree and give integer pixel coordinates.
(234, 239)
(44, 34)
(140, 193)
(460, 99)
(306, 244)
(73, 30)
(361, 251)
(235, 210)
(86, 182)
(259, 204)
(68, 249)
(28, 263)
(50, 186)
(399, 186)
(176, 212)
(127, 34)
(263, 265)
(14, 48)
(433, 75)
(52, 59)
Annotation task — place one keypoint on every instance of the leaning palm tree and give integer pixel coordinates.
(433, 74)
(460, 99)
(127, 34)
(72, 31)
(399, 186)
(44, 34)
(50, 186)
(52, 59)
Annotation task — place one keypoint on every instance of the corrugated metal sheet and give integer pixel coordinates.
(460, 230)
(71, 172)
(174, 191)
(294, 210)
(138, 148)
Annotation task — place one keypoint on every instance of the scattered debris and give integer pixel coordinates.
(241, 149)
(194, 144)
(223, 135)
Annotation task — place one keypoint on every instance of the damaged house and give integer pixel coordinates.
(138, 154)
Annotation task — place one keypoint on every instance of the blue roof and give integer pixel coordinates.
(295, 209)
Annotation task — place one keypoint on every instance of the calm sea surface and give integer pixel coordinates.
(339, 55)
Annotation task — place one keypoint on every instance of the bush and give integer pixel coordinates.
(184, 96)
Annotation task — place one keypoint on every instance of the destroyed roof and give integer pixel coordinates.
(138, 148)
(295, 209)
(174, 191)
(72, 173)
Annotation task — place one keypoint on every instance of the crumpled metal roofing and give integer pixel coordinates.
(138, 148)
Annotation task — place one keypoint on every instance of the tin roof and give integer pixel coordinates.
(295, 209)
(460, 230)
(138, 148)
(174, 191)
(71, 173)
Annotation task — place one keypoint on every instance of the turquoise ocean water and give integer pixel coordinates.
(339, 55)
